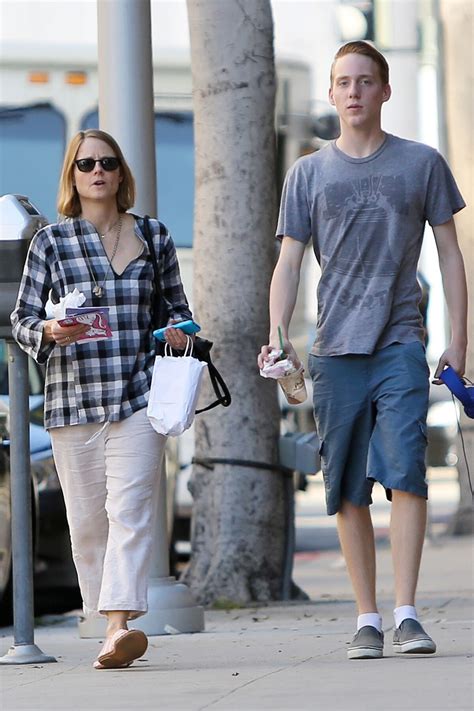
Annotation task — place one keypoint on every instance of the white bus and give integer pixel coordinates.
(47, 94)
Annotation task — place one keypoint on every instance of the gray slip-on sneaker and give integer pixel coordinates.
(366, 644)
(411, 638)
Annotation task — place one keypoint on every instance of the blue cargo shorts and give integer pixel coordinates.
(370, 413)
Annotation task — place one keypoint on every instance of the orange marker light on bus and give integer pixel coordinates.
(76, 78)
(38, 77)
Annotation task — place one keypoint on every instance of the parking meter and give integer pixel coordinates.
(19, 221)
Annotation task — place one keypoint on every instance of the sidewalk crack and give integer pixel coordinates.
(264, 676)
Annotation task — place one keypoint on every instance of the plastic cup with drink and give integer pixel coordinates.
(288, 374)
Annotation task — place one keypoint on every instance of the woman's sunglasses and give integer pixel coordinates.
(87, 165)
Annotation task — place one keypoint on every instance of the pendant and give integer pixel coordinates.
(98, 291)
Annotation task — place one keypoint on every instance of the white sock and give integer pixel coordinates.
(372, 619)
(403, 613)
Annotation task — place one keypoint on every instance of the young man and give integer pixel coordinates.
(364, 200)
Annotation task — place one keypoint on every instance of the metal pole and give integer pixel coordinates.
(126, 89)
(289, 552)
(396, 34)
(126, 111)
(440, 80)
(24, 650)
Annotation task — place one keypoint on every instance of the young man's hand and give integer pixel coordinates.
(455, 356)
(264, 355)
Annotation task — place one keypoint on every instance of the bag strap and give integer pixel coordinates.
(149, 240)
(159, 307)
(220, 388)
(187, 353)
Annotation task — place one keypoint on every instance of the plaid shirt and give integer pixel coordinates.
(103, 380)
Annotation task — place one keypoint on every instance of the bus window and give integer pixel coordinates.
(175, 174)
(175, 171)
(32, 141)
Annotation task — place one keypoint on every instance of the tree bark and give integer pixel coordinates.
(239, 512)
(458, 27)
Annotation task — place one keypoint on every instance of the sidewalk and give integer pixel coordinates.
(283, 657)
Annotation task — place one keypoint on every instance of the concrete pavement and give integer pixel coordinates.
(281, 657)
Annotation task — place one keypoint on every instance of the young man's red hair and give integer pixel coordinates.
(366, 49)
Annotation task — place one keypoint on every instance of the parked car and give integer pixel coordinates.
(54, 571)
(5, 547)
(52, 561)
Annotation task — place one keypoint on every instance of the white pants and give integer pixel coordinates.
(110, 488)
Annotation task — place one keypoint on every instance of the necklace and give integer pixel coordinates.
(104, 235)
(98, 289)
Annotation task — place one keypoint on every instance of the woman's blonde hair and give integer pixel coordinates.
(68, 199)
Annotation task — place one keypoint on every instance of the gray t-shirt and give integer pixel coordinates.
(367, 217)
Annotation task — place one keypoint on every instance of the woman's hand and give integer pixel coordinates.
(176, 338)
(62, 335)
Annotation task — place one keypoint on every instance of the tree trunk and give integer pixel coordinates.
(239, 512)
(458, 27)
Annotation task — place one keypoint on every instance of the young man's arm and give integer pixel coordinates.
(455, 290)
(283, 293)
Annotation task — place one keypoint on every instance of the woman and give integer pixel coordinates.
(107, 455)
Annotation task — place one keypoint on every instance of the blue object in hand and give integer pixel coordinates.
(189, 327)
(458, 387)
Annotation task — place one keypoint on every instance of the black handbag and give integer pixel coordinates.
(201, 347)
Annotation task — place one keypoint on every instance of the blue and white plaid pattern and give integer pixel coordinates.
(102, 380)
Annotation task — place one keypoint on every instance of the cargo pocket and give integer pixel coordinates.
(322, 459)
(424, 445)
(424, 430)
(323, 465)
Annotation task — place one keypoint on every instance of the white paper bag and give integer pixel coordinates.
(174, 391)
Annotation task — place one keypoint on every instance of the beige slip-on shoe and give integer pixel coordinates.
(121, 649)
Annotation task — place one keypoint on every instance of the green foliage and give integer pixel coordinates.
(225, 603)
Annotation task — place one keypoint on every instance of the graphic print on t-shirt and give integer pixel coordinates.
(361, 211)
